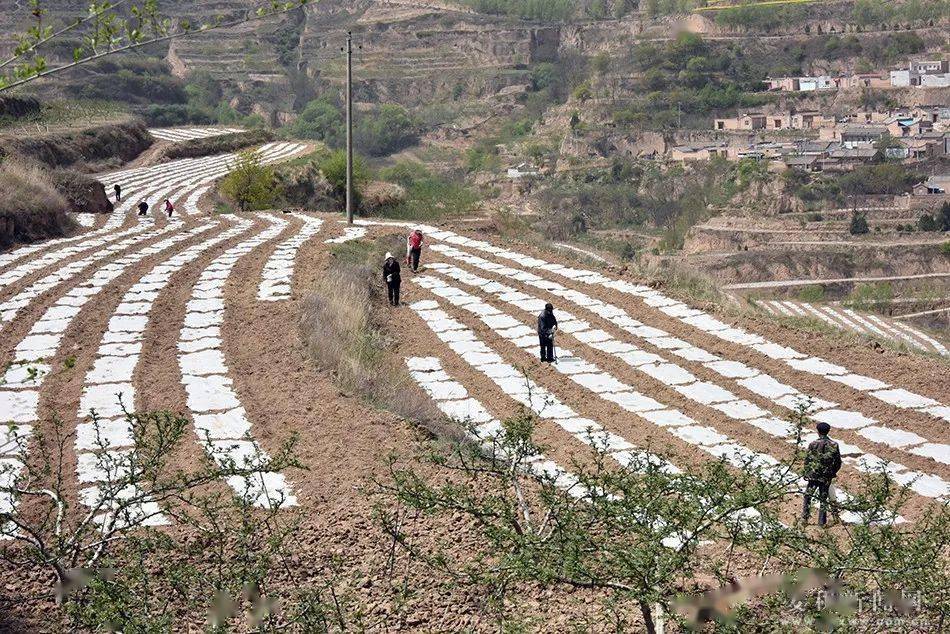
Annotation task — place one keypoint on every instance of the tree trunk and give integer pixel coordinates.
(647, 617)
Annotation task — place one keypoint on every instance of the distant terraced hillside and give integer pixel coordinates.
(407, 51)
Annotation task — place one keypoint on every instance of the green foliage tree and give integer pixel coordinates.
(601, 62)
(943, 217)
(250, 184)
(387, 130)
(320, 120)
(926, 222)
(859, 225)
(882, 178)
(582, 93)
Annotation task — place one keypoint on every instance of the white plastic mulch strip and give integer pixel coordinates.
(108, 384)
(692, 388)
(187, 134)
(453, 400)
(350, 233)
(279, 269)
(860, 323)
(220, 419)
(20, 389)
(590, 377)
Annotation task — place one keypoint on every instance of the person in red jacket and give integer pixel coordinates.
(414, 249)
(169, 208)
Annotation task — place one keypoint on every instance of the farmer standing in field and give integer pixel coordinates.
(822, 462)
(414, 249)
(118, 192)
(547, 326)
(169, 207)
(392, 278)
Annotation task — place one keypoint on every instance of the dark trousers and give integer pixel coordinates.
(547, 348)
(821, 488)
(414, 258)
(393, 289)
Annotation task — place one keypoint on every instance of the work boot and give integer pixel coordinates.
(822, 517)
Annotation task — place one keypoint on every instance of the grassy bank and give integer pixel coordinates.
(218, 144)
(31, 208)
(93, 148)
(345, 325)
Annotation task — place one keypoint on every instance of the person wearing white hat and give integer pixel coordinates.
(391, 275)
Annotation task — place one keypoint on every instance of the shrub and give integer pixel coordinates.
(540, 10)
(385, 131)
(637, 534)
(876, 296)
(582, 93)
(334, 170)
(812, 293)
(428, 194)
(859, 225)
(31, 208)
(249, 185)
(218, 144)
(320, 120)
(943, 217)
(927, 223)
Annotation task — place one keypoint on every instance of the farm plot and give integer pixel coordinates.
(187, 134)
(843, 318)
(164, 310)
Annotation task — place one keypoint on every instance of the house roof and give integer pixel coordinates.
(800, 160)
(854, 153)
(815, 146)
(864, 129)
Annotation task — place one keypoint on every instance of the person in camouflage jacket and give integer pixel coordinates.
(822, 462)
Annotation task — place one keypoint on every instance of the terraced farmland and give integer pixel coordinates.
(634, 365)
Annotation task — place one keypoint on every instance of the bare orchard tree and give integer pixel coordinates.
(150, 541)
(107, 28)
(642, 533)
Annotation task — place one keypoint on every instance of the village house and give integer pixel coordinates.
(934, 114)
(935, 81)
(805, 120)
(903, 125)
(926, 73)
(930, 66)
(867, 80)
(807, 163)
(687, 153)
(744, 122)
(852, 136)
(802, 84)
(933, 186)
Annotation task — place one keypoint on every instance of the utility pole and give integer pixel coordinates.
(349, 127)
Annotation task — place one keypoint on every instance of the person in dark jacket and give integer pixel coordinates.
(391, 275)
(143, 208)
(547, 326)
(822, 462)
(118, 192)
